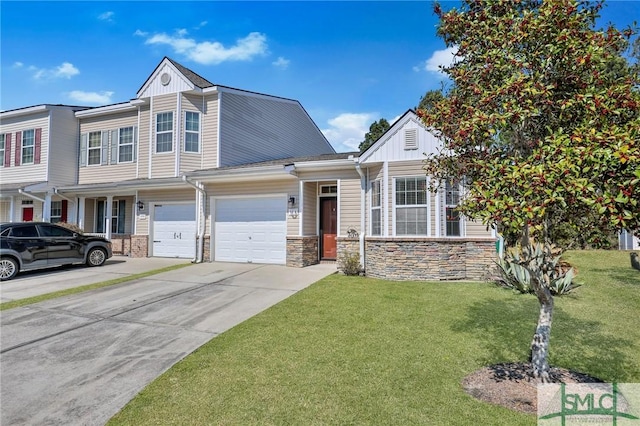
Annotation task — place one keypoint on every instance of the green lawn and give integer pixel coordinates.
(351, 350)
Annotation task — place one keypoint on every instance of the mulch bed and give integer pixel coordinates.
(511, 385)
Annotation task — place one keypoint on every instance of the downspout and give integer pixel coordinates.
(202, 199)
(55, 190)
(363, 186)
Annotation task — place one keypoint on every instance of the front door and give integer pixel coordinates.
(328, 228)
(27, 214)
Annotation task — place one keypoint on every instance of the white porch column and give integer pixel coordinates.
(72, 210)
(81, 202)
(12, 207)
(46, 208)
(108, 211)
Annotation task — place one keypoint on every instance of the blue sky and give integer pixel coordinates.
(348, 63)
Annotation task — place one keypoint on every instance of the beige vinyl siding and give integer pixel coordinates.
(108, 172)
(143, 141)
(288, 187)
(209, 135)
(190, 161)
(164, 164)
(476, 229)
(37, 208)
(26, 172)
(373, 173)
(63, 156)
(90, 215)
(349, 205)
(310, 208)
(5, 210)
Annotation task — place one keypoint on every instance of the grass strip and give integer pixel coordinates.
(47, 296)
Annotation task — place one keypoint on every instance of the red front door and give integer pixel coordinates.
(27, 214)
(328, 227)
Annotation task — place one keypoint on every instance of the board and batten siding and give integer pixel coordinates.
(349, 206)
(164, 164)
(63, 154)
(102, 173)
(25, 173)
(257, 128)
(394, 148)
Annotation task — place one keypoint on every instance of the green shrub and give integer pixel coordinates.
(514, 275)
(349, 263)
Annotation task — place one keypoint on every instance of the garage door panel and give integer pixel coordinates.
(251, 230)
(174, 230)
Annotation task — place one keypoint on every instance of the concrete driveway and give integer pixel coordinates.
(78, 360)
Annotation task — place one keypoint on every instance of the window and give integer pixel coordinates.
(164, 132)
(117, 216)
(2, 150)
(94, 148)
(376, 216)
(28, 143)
(329, 189)
(56, 211)
(192, 132)
(452, 215)
(125, 145)
(29, 231)
(411, 206)
(55, 231)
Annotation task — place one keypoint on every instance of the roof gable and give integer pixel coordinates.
(407, 139)
(171, 77)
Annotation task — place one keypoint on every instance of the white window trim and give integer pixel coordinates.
(443, 212)
(23, 147)
(198, 132)
(395, 207)
(132, 144)
(89, 148)
(372, 207)
(57, 216)
(3, 138)
(172, 132)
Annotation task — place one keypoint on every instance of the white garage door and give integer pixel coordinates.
(251, 230)
(174, 230)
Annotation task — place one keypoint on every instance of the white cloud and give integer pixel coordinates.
(18, 64)
(65, 70)
(91, 97)
(208, 52)
(445, 58)
(140, 33)
(201, 24)
(106, 16)
(281, 63)
(347, 130)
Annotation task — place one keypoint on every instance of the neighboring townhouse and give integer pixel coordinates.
(201, 171)
(38, 153)
(628, 241)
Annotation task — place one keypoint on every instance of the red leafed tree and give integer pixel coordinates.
(542, 122)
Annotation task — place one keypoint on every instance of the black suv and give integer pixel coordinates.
(33, 245)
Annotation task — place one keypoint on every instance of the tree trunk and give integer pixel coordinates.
(540, 342)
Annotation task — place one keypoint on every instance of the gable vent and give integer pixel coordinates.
(410, 139)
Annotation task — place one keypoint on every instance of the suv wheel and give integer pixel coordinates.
(96, 257)
(8, 268)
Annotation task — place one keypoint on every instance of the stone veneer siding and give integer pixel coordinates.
(139, 246)
(206, 256)
(302, 251)
(423, 259)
